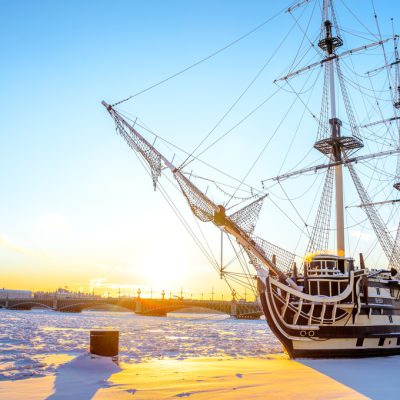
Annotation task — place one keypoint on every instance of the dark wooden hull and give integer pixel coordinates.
(362, 330)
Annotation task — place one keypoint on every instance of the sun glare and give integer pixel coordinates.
(160, 271)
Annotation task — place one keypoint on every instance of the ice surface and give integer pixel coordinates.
(30, 339)
(376, 378)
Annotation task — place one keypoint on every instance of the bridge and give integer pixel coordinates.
(142, 306)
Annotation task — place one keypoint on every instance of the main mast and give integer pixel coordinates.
(335, 144)
(335, 124)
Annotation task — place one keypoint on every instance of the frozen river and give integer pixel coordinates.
(34, 343)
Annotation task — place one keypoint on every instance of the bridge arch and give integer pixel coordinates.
(109, 307)
(70, 306)
(200, 310)
(163, 307)
(28, 305)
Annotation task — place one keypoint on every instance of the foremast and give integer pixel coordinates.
(202, 206)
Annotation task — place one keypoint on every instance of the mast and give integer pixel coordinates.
(397, 72)
(329, 44)
(335, 145)
(396, 105)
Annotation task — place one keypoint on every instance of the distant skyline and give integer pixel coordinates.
(77, 209)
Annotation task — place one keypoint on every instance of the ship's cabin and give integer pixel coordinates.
(328, 265)
(326, 275)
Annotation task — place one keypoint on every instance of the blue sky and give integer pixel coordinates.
(76, 206)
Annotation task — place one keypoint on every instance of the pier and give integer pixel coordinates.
(141, 306)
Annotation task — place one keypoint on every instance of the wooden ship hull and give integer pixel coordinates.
(359, 321)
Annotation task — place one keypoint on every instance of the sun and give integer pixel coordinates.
(163, 268)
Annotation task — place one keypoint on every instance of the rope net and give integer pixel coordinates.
(247, 217)
(392, 260)
(323, 125)
(319, 239)
(347, 103)
(131, 137)
(284, 260)
(200, 205)
(385, 239)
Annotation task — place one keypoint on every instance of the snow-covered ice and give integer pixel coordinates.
(374, 377)
(197, 356)
(34, 343)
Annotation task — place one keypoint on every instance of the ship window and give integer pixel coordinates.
(378, 290)
(331, 264)
(392, 292)
(315, 264)
(390, 319)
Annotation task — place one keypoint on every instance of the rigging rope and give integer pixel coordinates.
(248, 274)
(261, 70)
(267, 143)
(347, 103)
(384, 237)
(319, 240)
(236, 125)
(358, 20)
(252, 189)
(203, 59)
(265, 146)
(383, 47)
(294, 208)
(180, 216)
(305, 36)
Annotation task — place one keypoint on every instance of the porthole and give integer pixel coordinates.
(303, 333)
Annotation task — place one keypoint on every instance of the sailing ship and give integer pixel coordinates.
(325, 304)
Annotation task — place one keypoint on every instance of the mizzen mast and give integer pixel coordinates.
(396, 105)
(395, 99)
(396, 65)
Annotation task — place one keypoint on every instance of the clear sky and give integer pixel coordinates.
(77, 209)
